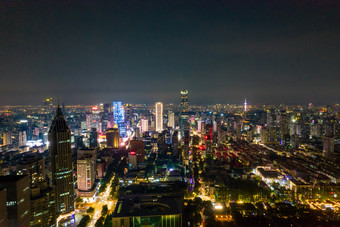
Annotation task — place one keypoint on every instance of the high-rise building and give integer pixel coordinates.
(161, 144)
(295, 141)
(132, 160)
(128, 113)
(215, 126)
(264, 134)
(144, 123)
(184, 117)
(119, 117)
(112, 137)
(138, 147)
(93, 138)
(34, 167)
(59, 137)
(168, 135)
(328, 146)
(175, 143)
(147, 141)
(42, 197)
(171, 119)
(42, 207)
(48, 105)
(107, 118)
(7, 138)
(245, 105)
(86, 172)
(282, 121)
(18, 199)
(187, 134)
(3, 207)
(199, 126)
(271, 121)
(88, 117)
(159, 116)
(96, 119)
(22, 138)
(184, 101)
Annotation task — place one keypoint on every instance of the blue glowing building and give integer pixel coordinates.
(119, 118)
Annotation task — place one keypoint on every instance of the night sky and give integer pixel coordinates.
(87, 52)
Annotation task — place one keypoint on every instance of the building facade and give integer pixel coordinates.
(18, 199)
(112, 137)
(61, 164)
(159, 116)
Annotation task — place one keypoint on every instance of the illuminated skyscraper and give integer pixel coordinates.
(138, 147)
(96, 119)
(48, 105)
(86, 172)
(144, 125)
(119, 117)
(18, 199)
(184, 117)
(184, 101)
(60, 150)
(22, 139)
(7, 138)
(159, 116)
(199, 126)
(132, 160)
(171, 119)
(245, 105)
(34, 167)
(107, 118)
(112, 137)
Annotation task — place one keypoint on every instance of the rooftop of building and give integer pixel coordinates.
(268, 173)
(59, 123)
(148, 205)
(242, 206)
(28, 159)
(11, 178)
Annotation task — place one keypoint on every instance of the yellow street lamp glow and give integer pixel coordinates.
(218, 206)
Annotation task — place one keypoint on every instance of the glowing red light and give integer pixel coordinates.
(132, 153)
(95, 108)
(205, 137)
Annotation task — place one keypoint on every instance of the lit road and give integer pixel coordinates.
(103, 200)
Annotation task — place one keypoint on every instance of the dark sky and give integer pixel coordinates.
(86, 52)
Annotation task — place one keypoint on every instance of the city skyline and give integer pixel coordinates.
(169, 113)
(176, 101)
(94, 52)
(114, 163)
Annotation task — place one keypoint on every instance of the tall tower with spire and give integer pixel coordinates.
(184, 101)
(59, 137)
(184, 115)
(245, 105)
